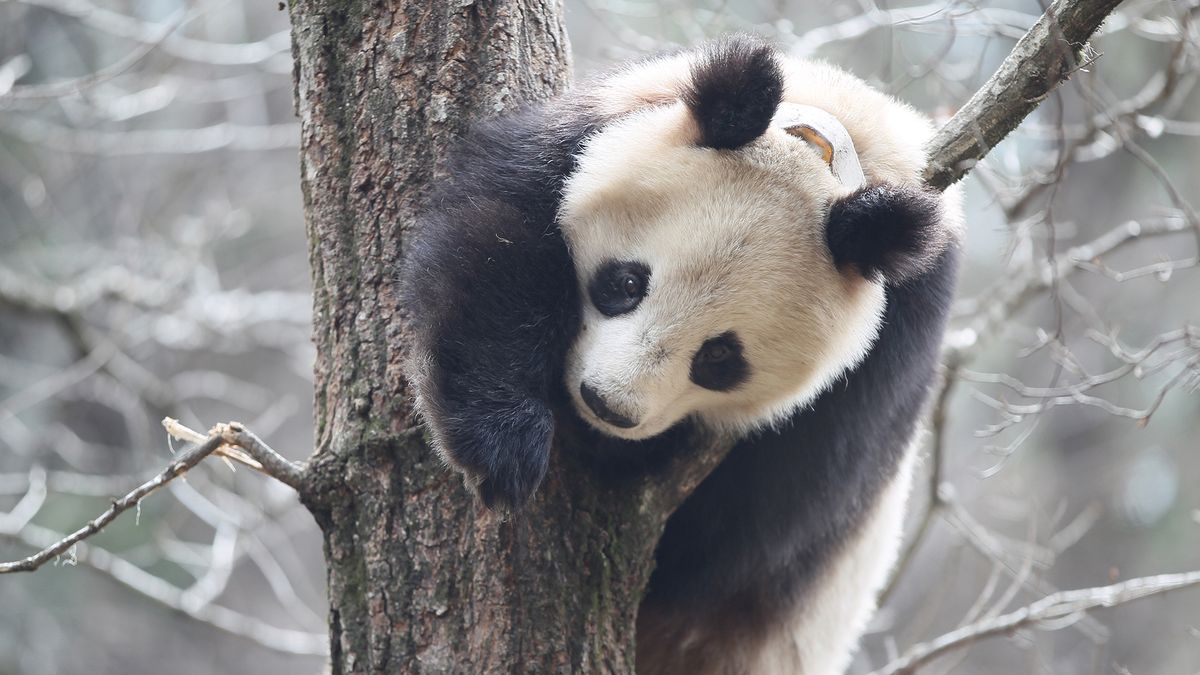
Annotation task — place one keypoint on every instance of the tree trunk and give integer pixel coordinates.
(420, 578)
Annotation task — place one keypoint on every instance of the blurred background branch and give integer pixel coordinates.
(152, 264)
(26, 509)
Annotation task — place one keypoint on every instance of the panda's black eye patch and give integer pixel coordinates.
(719, 364)
(618, 287)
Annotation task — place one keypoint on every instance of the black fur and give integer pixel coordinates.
(609, 291)
(719, 363)
(891, 232)
(761, 525)
(735, 90)
(493, 298)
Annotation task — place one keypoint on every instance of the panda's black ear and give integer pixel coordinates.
(888, 232)
(735, 87)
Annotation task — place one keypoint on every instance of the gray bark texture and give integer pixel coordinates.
(421, 580)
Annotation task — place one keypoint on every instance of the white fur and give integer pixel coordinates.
(825, 628)
(734, 241)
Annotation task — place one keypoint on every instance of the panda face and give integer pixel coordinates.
(709, 290)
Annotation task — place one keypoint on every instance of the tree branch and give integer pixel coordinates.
(241, 445)
(229, 440)
(177, 468)
(273, 464)
(1064, 607)
(126, 27)
(1043, 59)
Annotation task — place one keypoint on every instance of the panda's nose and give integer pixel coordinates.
(598, 405)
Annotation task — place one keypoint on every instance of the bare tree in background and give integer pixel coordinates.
(418, 578)
(150, 267)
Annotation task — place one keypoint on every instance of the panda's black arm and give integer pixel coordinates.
(492, 299)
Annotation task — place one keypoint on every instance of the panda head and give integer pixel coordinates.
(731, 261)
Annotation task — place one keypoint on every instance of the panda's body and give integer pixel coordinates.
(671, 245)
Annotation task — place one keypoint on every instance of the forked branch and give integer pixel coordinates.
(231, 441)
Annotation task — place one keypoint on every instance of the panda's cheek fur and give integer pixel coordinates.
(797, 357)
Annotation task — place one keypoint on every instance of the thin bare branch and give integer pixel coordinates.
(927, 17)
(222, 136)
(75, 85)
(1043, 59)
(257, 455)
(1062, 608)
(67, 482)
(999, 303)
(273, 464)
(934, 500)
(230, 440)
(177, 468)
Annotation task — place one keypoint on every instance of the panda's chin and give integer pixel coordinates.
(631, 433)
(640, 432)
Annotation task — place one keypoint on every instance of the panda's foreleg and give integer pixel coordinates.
(493, 299)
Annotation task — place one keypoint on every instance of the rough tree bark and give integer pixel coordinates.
(420, 579)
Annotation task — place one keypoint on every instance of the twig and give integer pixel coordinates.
(180, 466)
(230, 440)
(241, 445)
(273, 464)
(220, 136)
(1060, 607)
(976, 21)
(69, 482)
(935, 499)
(1008, 296)
(201, 51)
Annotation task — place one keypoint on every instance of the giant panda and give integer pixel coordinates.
(724, 237)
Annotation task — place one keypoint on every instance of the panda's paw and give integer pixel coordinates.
(502, 452)
(887, 232)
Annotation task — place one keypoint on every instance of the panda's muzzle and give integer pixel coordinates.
(600, 407)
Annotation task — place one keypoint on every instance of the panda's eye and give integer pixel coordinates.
(618, 287)
(719, 364)
(632, 285)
